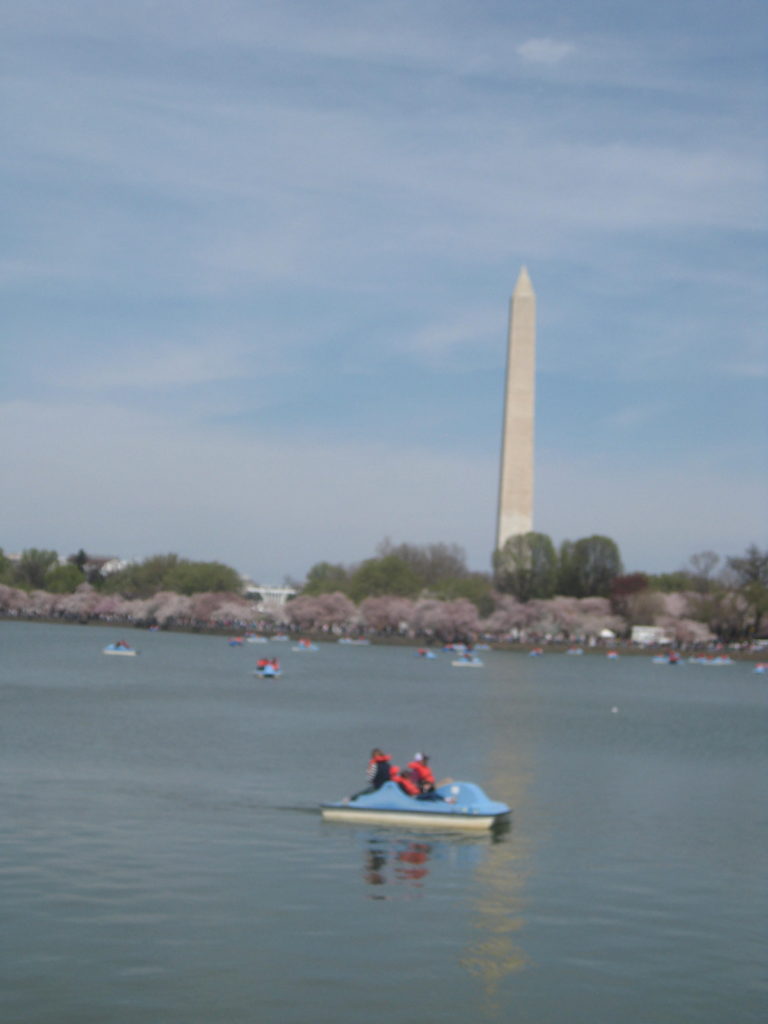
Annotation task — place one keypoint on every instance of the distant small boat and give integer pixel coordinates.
(424, 653)
(721, 659)
(252, 638)
(612, 654)
(354, 641)
(535, 652)
(304, 645)
(120, 648)
(575, 650)
(761, 667)
(236, 641)
(467, 663)
(268, 672)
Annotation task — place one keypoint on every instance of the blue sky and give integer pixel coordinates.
(256, 262)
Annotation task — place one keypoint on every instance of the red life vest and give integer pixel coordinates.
(423, 774)
(404, 782)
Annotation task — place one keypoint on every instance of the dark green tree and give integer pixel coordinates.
(526, 566)
(32, 567)
(595, 563)
(63, 579)
(377, 577)
(567, 578)
(751, 579)
(79, 560)
(188, 577)
(432, 563)
(143, 579)
(169, 572)
(325, 578)
(477, 587)
(671, 582)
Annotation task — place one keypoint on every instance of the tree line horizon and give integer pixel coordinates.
(729, 595)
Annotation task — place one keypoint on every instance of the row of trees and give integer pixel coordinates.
(728, 598)
(528, 567)
(424, 619)
(38, 569)
(404, 570)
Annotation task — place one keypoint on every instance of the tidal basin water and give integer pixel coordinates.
(162, 858)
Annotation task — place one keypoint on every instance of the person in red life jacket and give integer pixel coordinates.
(422, 775)
(404, 781)
(378, 772)
(419, 768)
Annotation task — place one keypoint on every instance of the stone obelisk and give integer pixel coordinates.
(516, 477)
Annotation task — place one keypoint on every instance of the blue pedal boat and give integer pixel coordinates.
(464, 805)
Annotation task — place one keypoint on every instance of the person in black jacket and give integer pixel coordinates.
(378, 772)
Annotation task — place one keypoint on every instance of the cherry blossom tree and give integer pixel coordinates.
(11, 599)
(325, 611)
(168, 606)
(446, 620)
(81, 604)
(507, 619)
(336, 611)
(41, 603)
(387, 614)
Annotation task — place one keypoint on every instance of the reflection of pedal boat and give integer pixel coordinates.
(126, 652)
(470, 808)
(467, 663)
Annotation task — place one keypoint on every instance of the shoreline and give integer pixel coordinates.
(512, 647)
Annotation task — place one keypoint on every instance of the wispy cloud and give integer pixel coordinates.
(545, 51)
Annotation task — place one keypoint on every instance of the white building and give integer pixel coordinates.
(267, 593)
(647, 635)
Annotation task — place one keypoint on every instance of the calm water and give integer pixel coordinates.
(162, 859)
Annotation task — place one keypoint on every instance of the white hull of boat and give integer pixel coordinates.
(412, 819)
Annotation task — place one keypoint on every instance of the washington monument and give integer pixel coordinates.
(516, 476)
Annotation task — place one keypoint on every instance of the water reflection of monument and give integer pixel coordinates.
(497, 915)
